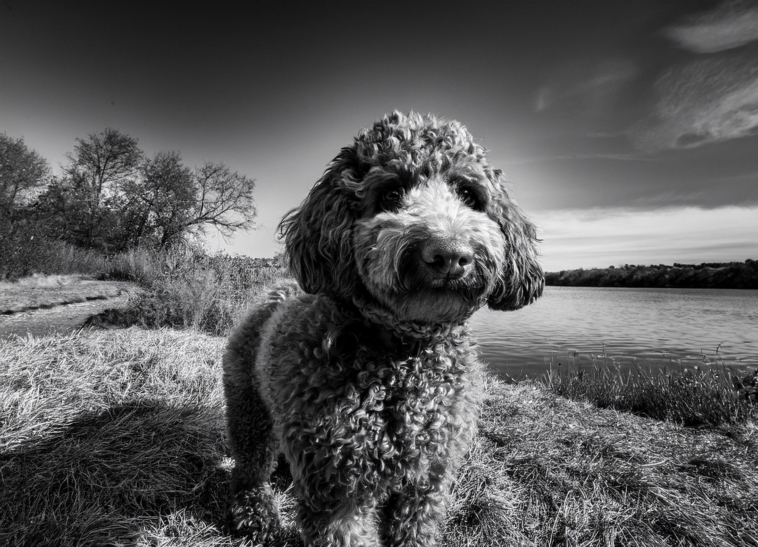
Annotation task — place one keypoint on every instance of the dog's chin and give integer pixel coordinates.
(445, 303)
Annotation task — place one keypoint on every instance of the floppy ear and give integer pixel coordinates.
(318, 234)
(522, 280)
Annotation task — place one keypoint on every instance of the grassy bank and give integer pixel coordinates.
(117, 438)
(25, 253)
(183, 287)
(186, 288)
(691, 396)
(53, 290)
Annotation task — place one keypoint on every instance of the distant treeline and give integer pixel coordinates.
(716, 275)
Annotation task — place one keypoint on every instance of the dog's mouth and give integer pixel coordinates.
(432, 291)
(443, 305)
(415, 277)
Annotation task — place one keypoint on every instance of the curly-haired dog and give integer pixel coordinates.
(367, 382)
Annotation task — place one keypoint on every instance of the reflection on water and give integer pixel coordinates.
(576, 326)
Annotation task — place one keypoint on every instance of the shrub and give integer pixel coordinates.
(25, 251)
(191, 289)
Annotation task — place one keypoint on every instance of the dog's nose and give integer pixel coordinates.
(447, 259)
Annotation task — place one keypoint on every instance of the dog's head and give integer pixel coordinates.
(413, 217)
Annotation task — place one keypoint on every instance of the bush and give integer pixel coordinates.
(25, 251)
(186, 287)
(191, 289)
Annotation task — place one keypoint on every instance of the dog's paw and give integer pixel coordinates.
(253, 513)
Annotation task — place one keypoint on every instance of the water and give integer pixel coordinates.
(579, 326)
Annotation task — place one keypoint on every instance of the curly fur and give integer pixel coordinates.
(366, 378)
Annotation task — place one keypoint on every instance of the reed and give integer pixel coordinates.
(712, 395)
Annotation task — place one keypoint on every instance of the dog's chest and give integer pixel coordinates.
(395, 411)
(413, 402)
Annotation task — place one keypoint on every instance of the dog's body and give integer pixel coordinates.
(367, 380)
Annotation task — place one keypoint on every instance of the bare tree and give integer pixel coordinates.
(169, 202)
(224, 199)
(112, 197)
(103, 161)
(160, 202)
(98, 168)
(23, 172)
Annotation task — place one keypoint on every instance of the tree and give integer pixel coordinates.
(93, 184)
(23, 172)
(103, 161)
(160, 201)
(112, 197)
(169, 202)
(224, 199)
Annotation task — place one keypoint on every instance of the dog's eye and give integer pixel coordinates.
(470, 198)
(392, 198)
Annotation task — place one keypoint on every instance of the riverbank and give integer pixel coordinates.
(118, 436)
(731, 275)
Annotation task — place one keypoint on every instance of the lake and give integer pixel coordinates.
(579, 326)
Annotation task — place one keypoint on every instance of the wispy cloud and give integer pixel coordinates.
(752, 176)
(708, 100)
(590, 85)
(579, 157)
(605, 237)
(730, 25)
(713, 98)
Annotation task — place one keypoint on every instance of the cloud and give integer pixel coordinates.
(590, 85)
(731, 25)
(603, 237)
(705, 101)
(579, 157)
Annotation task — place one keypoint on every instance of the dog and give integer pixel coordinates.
(363, 374)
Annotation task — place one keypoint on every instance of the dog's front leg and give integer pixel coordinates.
(346, 524)
(335, 481)
(416, 516)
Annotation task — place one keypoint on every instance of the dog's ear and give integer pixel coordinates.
(318, 234)
(522, 280)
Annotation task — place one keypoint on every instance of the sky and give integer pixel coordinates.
(628, 130)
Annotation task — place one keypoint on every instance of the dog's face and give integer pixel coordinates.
(413, 216)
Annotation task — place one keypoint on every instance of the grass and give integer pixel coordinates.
(184, 287)
(551, 471)
(117, 438)
(687, 395)
(111, 438)
(191, 289)
(25, 253)
(46, 291)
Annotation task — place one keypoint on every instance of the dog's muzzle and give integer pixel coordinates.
(446, 259)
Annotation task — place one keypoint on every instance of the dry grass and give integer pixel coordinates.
(117, 438)
(190, 289)
(550, 471)
(112, 438)
(25, 252)
(46, 291)
(184, 287)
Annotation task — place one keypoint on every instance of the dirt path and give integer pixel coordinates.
(61, 318)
